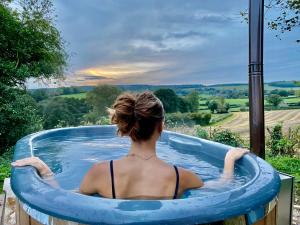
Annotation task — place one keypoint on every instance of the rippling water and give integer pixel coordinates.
(71, 157)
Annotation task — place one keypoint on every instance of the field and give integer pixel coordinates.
(241, 87)
(78, 96)
(239, 121)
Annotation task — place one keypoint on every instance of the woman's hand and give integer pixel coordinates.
(232, 155)
(35, 162)
(235, 154)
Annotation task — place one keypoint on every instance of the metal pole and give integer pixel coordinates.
(256, 81)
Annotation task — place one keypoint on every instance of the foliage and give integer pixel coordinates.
(200, 118)
(218, 104)
(274, 99)
(285, 15)
(226, 137)
(18, 115)
(219, 117)
(223, 107)
(103, 120)
(201, 133)
(39, 94)
(212, 106)
(30, 45)
(169, 99)
(280, 144)
(193, 99)
(286, 164)
(100, 98)
(188, 119)
(282, 93)
(183, 105)
(62, 112)
(288, 17)
(297, 93)
(5, 160)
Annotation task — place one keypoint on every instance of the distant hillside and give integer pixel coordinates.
(284, 84)
(186, 88)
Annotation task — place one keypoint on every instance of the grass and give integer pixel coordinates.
(5, 168)
(219, 118)
(78, 95)
(292, 99)
(288, 165)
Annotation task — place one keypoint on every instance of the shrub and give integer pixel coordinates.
(274, 99)
(201, 118)
(188, 119)
(285, 164)
(177, 119)
(280, 144)
(201, 133)
(227, 137)
(18, 116)
(62, 112)
(5, 168)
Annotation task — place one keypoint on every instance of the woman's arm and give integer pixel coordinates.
(231, 157)
(42, 168)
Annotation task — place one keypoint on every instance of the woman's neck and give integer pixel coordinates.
(144, 148)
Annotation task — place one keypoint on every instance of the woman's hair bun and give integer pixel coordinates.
(122, 113)
(137, 115)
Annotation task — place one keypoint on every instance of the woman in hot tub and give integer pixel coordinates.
(140, 174)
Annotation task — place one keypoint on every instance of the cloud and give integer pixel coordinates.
(162, 42)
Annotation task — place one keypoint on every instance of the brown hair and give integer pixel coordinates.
(137, 115)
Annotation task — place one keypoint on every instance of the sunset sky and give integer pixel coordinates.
(166, 42)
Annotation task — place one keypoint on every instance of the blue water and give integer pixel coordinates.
(71, 157)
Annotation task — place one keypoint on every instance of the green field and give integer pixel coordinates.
(292, 100)
(245, 87)
(78, 96)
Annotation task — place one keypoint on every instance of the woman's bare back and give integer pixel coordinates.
(136, 179)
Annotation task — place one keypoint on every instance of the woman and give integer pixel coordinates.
(140, 174)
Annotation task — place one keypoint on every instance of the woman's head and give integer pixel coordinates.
(137, 115)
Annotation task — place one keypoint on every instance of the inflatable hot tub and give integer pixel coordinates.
(70, 152)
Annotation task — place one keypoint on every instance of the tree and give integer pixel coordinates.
(193, 99)
(212, 106)
(39, 94)
(282, 93)
(223, 106)
(101, 97)
(61, 112)
(183, 105)
(297, 93)
(288, 17)
(274, 99)
(285, 16)
(18, 116)
(169, 99)
(30, 46)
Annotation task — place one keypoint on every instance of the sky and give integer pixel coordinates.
(165, 42)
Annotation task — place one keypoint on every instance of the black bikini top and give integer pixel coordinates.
(113, 182)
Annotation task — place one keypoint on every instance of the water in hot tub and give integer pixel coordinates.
(71, 157)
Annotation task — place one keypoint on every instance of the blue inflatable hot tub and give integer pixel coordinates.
(70, 152)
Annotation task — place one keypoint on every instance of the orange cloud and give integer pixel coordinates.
(122, 73)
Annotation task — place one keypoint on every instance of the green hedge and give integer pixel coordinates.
(188, 119)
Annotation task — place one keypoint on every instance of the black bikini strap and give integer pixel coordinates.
(112, 179)
(177, 182)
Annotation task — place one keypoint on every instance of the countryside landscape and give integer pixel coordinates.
(64, 63)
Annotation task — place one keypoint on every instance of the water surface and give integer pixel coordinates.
(70, 157)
